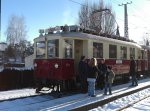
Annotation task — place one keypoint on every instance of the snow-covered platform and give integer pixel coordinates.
(21, 93)
(69, 102)
(12, 94)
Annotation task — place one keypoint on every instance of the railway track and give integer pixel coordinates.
(131, 104)
(27, 101)
(25, 93)
(43, 94)
(54, 101)
(110, 99)
(46, 102)
(34, 101)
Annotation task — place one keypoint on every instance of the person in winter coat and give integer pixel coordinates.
(82, 67)
(133, 72)
(102, 71)
(92, 75)
(109, 78)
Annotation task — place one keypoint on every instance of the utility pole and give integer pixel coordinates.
(126, 34)
(0, 19)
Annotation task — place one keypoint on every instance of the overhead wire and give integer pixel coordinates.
(134, 9)
(93, 8)
(134, 26)
(138, 16)
(138, 13)
(113, 9)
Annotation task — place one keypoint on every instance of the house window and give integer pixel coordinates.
(97, 50)
(112, 51)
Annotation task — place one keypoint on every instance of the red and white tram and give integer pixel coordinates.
(57, 53)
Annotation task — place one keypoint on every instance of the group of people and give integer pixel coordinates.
(99, 74)
(92, 74)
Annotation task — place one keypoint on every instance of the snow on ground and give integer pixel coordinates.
(143, 105)
(12, 94)
(66, 103)
(4, 95)
(125, 101)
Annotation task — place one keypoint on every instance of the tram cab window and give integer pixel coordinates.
(112, 51)
(40, 49)
(132, 52)
(53, 46)
(123, 52)
(68, 48)
(97, 50)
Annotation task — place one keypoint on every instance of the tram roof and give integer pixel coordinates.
(81, 35)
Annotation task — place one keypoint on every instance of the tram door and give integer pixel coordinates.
(78, 52)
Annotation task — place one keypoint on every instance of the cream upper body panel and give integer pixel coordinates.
(90, 40)
(79, 35)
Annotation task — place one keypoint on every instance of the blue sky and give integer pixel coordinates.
(45, 13)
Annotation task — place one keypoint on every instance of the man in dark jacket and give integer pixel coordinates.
(133, 72)
(101, 75)
(83, 74)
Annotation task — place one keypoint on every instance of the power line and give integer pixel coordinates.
(138, 14)
(107, 12)
(133, 25)
(77, 3)
(94, 9)
(0, 19)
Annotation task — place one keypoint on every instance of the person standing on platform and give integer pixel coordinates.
(92, 75)
(109, 78)
(102, 71)
(133, 71)
(83, 74)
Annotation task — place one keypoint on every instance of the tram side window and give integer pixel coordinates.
(53, 48)
(112, 51)
(40, 49)
(144, 54)
(123, 52)
(97, 50)
(132, 52)
(68, 48)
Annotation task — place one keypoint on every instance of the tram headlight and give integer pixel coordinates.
(56, 65)
(35, 64)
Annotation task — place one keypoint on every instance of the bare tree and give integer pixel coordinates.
(101, 21)
(16, 30)
(84, 15)
(108, 21)
(16, 35)
(9, 52)
(96, 18)
(29, 49)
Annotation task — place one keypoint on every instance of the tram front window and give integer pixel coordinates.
(68, 48)
(40, 49)
(53, 46)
